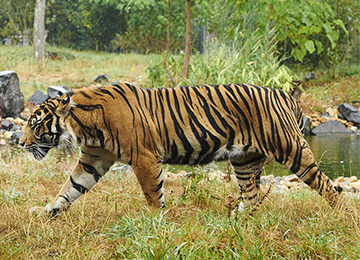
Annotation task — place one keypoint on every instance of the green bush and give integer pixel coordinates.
(242, 58)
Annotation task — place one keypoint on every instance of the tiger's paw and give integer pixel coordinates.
(48, 211)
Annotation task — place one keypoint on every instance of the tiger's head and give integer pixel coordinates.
(46, 128)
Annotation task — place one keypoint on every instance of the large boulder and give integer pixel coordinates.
(11, 98)
(330, 127)
(350, 113)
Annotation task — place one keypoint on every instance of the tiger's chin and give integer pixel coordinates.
(40, 153)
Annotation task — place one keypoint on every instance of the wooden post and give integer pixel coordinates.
(187, 40)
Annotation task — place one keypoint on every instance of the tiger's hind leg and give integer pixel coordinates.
(92, 165)
(248, 170)
(302, 163)
(150, 176)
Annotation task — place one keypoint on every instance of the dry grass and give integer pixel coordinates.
(112, 221)
(73, 69)
(320, 95)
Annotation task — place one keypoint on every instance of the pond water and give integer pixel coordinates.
(337, 155)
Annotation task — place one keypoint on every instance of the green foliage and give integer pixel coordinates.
(302, 26)
(147, 23)
(16, 18)
(83, 24)
(313, 32)
(248, 58)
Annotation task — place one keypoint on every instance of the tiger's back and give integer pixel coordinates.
(198, 124)
(185, 125)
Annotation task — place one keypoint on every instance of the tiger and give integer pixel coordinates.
(186, 125)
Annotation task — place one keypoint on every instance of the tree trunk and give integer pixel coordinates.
(187, 40)
(168, 45)
(39, 30)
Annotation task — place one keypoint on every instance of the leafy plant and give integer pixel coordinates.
(246, 58)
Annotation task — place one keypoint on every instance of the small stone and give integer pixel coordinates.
(14, 127)
(291, 178)
(38, 97)
(5, 124)
(352, 179)
(323, 119)
(355, 185)
(19, 121)
(314, 124)
(126, 168)
(276, 180)
(55, 91)
(353, 129)
(7, 135)
(182, 172)
(101, 78)
(171, 175)
(213, 176)
(333, 112)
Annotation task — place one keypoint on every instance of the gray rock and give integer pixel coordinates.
(290, 178)
(114, 83)
(11, 98)
(309, 76)
(330, 127)
(55, 91)
(307, 125)
(101, 78)
(14, 127)
(15, 137)
(9, 126)
(350, 113)
(5, 125)
(38, 97)
(126, 168)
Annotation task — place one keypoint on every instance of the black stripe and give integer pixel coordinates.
(91, 169)
(78, 186)
(243, 163)
(242, 178)
(159, 186)
(65, 198)
(89, 154)
(105, 91)
(159, 175)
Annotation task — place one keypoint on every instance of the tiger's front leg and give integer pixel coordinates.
(92, 165)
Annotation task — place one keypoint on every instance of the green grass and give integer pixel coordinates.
(113, 222)
(73, 68)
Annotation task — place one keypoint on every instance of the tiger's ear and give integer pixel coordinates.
(64, 105)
